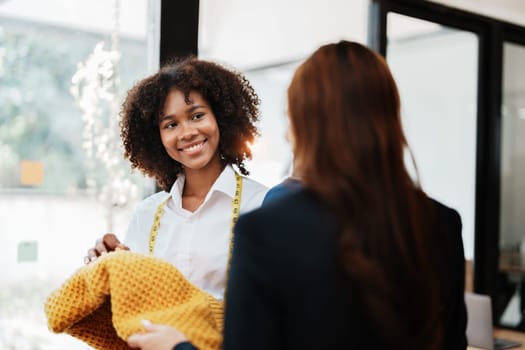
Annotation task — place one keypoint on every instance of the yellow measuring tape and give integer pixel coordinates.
(236, 209)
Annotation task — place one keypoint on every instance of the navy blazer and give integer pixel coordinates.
(285, 287)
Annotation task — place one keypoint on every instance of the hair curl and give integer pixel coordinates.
(232, 99)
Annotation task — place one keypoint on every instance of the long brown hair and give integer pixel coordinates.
(349, 148)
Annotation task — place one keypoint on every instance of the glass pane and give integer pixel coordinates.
(267, 45)
(64, 69)
(436, 71)
(512, 203)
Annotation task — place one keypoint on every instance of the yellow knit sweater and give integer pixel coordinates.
(104, 302)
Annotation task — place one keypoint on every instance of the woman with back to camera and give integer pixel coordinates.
(360, 258)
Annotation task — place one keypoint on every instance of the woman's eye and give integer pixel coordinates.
(198, 116)
(170, 125)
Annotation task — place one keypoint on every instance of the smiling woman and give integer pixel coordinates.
(186, 126)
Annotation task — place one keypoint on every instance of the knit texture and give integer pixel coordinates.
(104, 302)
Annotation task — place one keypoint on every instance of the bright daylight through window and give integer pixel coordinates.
(64, 68)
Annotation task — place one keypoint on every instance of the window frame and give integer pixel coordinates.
(492, 34)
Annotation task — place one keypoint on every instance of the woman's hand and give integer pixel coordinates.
(108, 243)
(156, 337)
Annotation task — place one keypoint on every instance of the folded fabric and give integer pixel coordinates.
(104, 302)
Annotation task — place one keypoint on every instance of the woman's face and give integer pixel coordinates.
(189, 132)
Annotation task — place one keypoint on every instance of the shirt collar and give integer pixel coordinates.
(225, 183)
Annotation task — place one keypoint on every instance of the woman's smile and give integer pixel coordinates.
(193, 148)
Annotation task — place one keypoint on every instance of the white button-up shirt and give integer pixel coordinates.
(196, 242)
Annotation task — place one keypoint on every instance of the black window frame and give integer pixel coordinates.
(179, 29)
(492, 33)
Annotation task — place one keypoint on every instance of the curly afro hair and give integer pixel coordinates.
(229, 94)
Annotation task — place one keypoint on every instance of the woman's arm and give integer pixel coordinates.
(456, 321)
(252, 316)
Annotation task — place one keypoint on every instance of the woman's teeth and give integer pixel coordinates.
(194, 147)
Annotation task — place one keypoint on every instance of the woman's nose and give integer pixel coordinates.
(188, 130)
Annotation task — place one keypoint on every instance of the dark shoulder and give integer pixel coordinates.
(288, 186)
(297, 231)
(295, 204)
(299, 216)
(447, 229)
(446, 214)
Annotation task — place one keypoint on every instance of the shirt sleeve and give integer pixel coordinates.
(132, 235)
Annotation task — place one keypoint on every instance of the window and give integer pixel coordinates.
(53, 198)
(512, 188)
(483, 57)
(436, 68)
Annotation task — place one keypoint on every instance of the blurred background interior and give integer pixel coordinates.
(65, 67)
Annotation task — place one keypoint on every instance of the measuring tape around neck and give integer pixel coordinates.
(236, 208)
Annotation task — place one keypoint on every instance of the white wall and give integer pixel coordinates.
(251, 33)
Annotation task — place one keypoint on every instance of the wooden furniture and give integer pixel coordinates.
(512, 262)
(469, 276)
